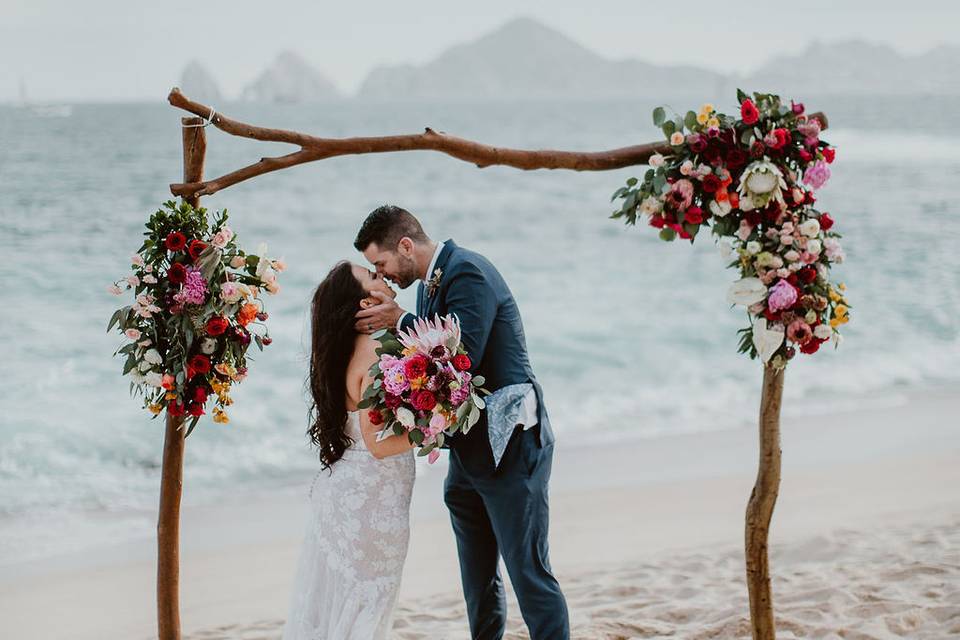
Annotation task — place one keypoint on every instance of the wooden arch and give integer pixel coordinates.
(764, 495)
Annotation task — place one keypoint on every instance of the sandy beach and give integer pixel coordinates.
(646, 539)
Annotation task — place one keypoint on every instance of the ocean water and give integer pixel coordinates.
(631, 337)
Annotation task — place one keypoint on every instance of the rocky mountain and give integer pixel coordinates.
(289, 78)
(198, 83)
(857, 67)
(525, 59)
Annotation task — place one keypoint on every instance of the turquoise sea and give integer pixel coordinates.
(630, 336)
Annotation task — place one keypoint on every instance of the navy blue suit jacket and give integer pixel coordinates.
(491, 330)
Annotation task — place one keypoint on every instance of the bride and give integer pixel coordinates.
(358, 526)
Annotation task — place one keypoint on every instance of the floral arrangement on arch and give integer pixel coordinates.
(751, 179)
(197, 307)
(422, 385)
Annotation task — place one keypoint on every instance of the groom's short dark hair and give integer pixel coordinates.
(386, 225)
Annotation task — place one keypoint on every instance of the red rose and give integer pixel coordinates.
(697, 142)
(461, 362)
(829, 153)
(200, 395)
(792, 279)
(177, 273)
(694, 215)
(176, 241)
(196, 248)
(376, 418)
(392, 401)
(771, 316)
(757, 150)
(683, 234)
(423, 400)
(825, 221)
(712, 154)
(805, 155)
(195, 409)
(748, 112)
(807, 275)
(809, 198)
(657, 221)
(753, 217)
(711, 183)
(736, 158)
(174, 408)
(811, 346)
(217, 325)
(783, 138)
(199, 363)
(415, 367)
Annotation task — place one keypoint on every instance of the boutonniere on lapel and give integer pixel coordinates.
(434, 282)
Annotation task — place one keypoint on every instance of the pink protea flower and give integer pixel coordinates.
(427, 334)
(681, 194)
(782, 296)
(799, 331)
(817, 175)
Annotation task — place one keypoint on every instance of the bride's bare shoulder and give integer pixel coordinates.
(364, 352)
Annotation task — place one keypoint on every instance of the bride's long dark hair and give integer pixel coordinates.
(335, 302)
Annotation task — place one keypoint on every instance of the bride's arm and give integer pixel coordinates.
(389, 446)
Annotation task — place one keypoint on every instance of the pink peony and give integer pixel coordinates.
(395, 380)
(782, 296)
(817, 175)
(194, 288)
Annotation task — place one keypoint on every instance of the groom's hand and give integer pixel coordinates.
(380, 316)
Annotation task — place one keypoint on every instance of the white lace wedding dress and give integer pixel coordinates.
(352, 556)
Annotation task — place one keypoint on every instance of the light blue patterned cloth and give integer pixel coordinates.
(508, 407)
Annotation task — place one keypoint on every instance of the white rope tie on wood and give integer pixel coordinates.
(207, 122)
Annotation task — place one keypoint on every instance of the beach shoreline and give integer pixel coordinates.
(645, 507)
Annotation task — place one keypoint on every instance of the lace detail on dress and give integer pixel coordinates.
(351, 561)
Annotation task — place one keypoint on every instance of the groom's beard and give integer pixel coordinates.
(408, 273)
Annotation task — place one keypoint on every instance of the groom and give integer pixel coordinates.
(496, 486)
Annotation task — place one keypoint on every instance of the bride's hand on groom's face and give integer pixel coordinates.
(379, 311)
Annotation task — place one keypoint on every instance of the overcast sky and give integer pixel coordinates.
(135, 49)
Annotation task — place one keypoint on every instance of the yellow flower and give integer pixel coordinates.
(703, 117)
(842, 287)
(834, 296)
(840, 311)
(836, 322)
(409, 351)
(220, 416)
(707, 108)
(155, 409)
(226, 369)
(170, 396)
(417, 383)
(713, 122)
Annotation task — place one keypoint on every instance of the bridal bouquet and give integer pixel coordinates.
(751, 179)
(196, 310)
(422, 385)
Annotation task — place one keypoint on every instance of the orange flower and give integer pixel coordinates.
(720, 196)
(247, 314)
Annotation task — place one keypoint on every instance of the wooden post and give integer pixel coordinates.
(171, 482)
(760, 507)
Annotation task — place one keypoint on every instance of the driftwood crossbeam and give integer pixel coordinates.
(764, 495)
